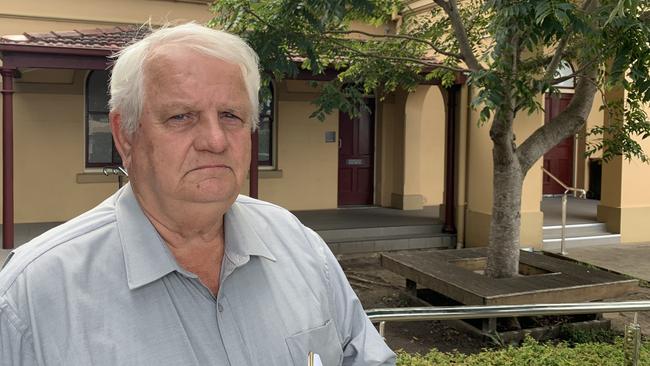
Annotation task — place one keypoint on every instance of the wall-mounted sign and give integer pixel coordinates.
(354, 161)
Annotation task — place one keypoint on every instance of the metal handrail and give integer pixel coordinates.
(108, 170)
(632, 332)
(119, 171)
(501, 311)
(581, 194)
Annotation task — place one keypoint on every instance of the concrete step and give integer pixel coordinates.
(599, 239)
(370, 233)
(555, 246)
(578, 235)
(575, 230)
(392, 242)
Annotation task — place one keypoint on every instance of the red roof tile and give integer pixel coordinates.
(111, 39)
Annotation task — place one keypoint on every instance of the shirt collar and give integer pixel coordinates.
(243, 235)
(146, 255)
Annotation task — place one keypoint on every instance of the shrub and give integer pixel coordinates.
(532, 353)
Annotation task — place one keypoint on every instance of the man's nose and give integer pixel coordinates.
(211, 136)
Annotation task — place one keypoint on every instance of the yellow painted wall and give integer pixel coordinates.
(582, 161)
(385, 126)
(48, 156)
(391, 147)
(49, 105)
(411, 148)
(308, 166)
(480, 188)
(415, 117)
(425, 144)
(625, 201)
(37, 16)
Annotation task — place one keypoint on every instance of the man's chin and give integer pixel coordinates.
(213, 195)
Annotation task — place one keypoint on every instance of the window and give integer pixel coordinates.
(100, 150)
(563, 70)
(265, 130)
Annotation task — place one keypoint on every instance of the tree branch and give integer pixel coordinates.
(259, 18)
(561, 47)
(557, 57)
(372, 55)
(451, 8)
(402, 36)
(563, 79)
(564, 124)
(395, 58)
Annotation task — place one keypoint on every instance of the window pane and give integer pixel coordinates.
(564, 69)
(265, 130)
(264, 134)
(100, 140)
(97, 91)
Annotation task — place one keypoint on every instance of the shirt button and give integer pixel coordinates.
(220, 307)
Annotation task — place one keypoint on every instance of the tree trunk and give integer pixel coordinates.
(503, 245)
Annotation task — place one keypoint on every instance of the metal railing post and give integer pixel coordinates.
(632, 342)
(581, 193)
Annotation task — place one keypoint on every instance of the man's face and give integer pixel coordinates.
(193, 141)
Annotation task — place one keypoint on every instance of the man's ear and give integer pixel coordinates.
(123, 141)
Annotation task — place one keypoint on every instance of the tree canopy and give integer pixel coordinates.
(510, 51)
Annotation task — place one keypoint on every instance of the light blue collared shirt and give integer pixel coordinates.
(104, 289)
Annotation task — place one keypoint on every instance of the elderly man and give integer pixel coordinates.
(176, 268)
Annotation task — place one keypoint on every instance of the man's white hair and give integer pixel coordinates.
(127, 79)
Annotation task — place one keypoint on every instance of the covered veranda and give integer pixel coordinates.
(91, 50)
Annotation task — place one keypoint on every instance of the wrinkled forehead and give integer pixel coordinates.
(177, 60)
(166, 59)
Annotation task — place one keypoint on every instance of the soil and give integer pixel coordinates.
(379, 288)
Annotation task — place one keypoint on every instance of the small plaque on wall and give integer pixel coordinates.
(330, 136)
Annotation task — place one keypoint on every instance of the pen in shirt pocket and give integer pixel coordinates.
(313, 359)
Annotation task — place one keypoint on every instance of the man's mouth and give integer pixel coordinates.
(210, 167)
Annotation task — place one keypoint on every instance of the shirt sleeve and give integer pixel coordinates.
(16, 347)
(362, 344)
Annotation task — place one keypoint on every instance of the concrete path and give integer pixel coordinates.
(629, 259)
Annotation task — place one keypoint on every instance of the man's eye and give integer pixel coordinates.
(183, 117)
(231, 118)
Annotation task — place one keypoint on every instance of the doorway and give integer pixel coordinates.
(558, 160)
(356, 157)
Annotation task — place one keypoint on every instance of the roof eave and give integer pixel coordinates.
(48, 57)
(77, 51)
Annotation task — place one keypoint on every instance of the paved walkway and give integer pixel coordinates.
(629, 259)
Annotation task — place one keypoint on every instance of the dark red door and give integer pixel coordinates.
(559, 160)
(356, 158)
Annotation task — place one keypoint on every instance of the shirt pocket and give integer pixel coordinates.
(322, 340)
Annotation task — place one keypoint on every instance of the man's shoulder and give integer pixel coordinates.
(264, 210)
(257, 203)
(49, 245)
(268, 215)
(280, 229)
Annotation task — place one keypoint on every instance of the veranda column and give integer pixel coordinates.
(253, 172)
(625, 198)
(8, 158)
